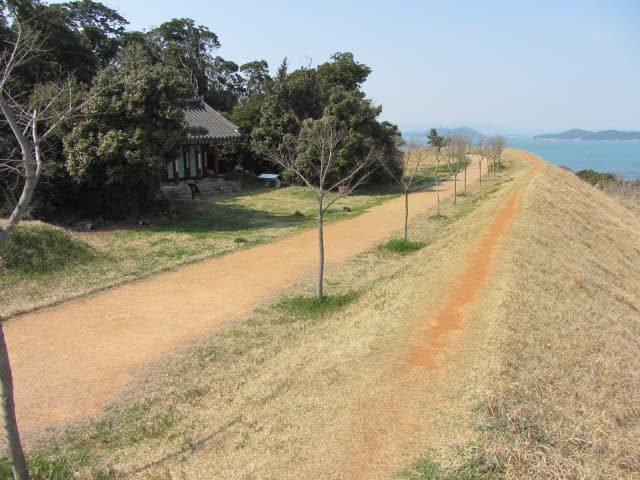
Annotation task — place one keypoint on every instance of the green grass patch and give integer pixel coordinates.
(41, 249)
(312, 308)
(401, 246)
(132, 425)
(41, 468)
(475, 468)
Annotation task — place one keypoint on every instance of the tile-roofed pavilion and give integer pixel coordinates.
(198, 156)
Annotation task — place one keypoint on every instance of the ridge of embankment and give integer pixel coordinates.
(564, 401)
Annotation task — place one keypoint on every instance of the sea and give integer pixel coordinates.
(620, 157)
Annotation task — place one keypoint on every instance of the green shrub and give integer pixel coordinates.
(43, 249)
(593, 177)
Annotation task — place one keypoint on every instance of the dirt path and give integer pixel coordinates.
(407, 400)
(69, 359)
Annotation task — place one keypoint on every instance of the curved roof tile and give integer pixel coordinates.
(199, 115)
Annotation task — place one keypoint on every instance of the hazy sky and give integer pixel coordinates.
(538, 66)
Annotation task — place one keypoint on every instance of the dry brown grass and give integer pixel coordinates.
(281, 396)
(565, 402)
(549, 352)
(627, 192)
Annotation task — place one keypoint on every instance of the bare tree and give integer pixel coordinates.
(321, 173)
(482, 156)
(495, 146)
(410, 165)
(436, 142)
(437, 179)
(30, 127)
(468, 141)
(456, 159)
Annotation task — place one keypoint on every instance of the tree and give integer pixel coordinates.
(257, 80)
(456, 160)
(437, 142)
(468, 140)
(343, 71)
(12, 434)
(482, 156)
(496, 145)
(31, 121)
(182, 44)
(313, 157)
(118, 153)
(332, 89)
(410, 165)
(101, 27)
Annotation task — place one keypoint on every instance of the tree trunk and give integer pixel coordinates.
(465, 180)
(319, 292)
(14, 446)
(30, 161)
(455, 188)
(437, 190)
(406, 212)
(4, 235)
(480, 172)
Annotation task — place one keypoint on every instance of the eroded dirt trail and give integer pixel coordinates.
(427, 341)
(69, 359)
(410, 397)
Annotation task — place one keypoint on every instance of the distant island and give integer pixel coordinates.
(577, 134)
(461, 131)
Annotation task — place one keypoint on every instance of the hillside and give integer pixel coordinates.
(577, 134)
(505, 348)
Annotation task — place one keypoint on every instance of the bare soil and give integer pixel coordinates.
(68, 360)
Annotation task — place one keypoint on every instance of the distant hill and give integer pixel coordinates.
(447, 132)
(462, 131)
(577, 134)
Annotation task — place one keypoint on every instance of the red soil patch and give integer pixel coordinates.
(466, 289)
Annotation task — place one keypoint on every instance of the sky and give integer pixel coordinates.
(505, 67)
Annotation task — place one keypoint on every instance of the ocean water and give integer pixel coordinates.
(619, 157)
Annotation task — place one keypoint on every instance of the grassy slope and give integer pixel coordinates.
(549, 375)
(566, 400)
(563, 402)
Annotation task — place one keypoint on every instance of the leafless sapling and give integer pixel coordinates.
(410, 165)
(320, 171)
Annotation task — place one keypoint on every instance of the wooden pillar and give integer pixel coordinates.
(199, 161)
(216, 161)
(205, 162)
(187, 162)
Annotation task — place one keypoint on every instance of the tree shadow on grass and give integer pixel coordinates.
(227, 218)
